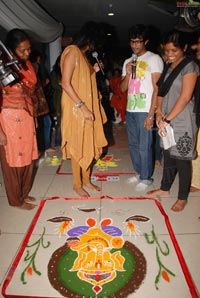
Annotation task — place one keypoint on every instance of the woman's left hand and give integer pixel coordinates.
(161, 124)
(87, 114)
(162, 128)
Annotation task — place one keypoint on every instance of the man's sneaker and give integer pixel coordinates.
(143, 185)
(133, 179)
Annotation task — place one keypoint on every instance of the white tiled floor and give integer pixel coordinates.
(15, 222)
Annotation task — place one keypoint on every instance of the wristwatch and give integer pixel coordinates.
(150, 117)
(166, 120)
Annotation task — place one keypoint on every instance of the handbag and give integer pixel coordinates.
(41, 105)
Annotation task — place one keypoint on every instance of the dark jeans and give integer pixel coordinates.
(58, 132)
(157, 149)
(172, 166)
(47, 131)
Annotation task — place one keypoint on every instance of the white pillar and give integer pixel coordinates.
(55, 49)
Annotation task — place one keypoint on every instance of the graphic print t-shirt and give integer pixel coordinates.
(140, 89)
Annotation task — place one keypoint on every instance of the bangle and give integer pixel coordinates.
(166, 120)
(150, 117)
(79, 104)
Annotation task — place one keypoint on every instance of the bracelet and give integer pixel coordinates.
(166, 120)
(150, 117)
(79, 104)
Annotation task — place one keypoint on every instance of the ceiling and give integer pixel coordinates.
(74, 13)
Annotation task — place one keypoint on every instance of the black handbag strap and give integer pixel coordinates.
(164, 85)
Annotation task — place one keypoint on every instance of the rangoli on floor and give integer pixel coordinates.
(90, 256)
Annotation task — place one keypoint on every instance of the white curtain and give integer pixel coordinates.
(54, 51)
(28, 15)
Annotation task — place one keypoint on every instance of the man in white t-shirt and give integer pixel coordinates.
(140, 74)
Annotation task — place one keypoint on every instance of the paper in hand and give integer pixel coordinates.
(168, 139)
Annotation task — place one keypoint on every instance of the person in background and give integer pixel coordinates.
(55, 78)
(157, 151)
(35, 58)
(18, 146)
(43, 119)
(104, 91)
(141, 87)
(118, 99)
(82, 115)
(47, 119)
(175, 108)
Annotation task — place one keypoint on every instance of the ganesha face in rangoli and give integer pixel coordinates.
(96, 263)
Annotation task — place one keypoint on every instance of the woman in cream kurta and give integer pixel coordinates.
(82, 117)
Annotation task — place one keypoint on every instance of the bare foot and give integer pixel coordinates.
(30, 200)
(92, 186)
(158, 192)
(179, 205)
(194, 189)
(82, 192)
(26, 206)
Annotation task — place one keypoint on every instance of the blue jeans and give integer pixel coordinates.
(140, 144)
(47, 131)
(58, 132)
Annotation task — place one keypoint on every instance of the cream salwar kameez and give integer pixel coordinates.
(82, 140)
